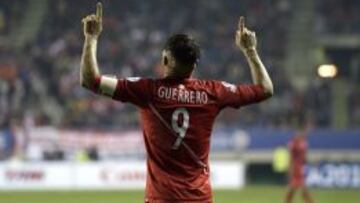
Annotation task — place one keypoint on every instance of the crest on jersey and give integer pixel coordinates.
(229, 86)
(133, 79)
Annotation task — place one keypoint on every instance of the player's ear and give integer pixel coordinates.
(171, 61)
(165, 61)
(165, 58)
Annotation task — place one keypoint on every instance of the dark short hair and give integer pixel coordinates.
(184, 49)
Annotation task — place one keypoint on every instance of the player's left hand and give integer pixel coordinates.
(92, 24)
(245, 39)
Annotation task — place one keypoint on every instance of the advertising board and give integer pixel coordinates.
(101, 175)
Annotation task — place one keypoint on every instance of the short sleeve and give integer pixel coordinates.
(235, 96)
(134, 90)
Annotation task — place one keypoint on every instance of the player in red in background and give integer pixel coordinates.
(177, 111)
(298, 147)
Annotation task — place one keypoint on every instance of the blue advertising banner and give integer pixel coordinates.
(333, 175)
(321, 139)
(269, 139)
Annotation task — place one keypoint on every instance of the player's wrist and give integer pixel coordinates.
(250, 52)
(250, 49)
(89, 37)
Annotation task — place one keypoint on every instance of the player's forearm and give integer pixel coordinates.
(89, 67)
(258, 71)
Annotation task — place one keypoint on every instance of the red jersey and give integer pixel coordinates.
(298, 148)
(190, 107)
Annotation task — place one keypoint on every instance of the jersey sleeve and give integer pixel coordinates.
(134, 89)
(235, 96)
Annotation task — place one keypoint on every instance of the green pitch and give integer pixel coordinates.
(250, 194)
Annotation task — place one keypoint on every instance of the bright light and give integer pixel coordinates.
(327, 70)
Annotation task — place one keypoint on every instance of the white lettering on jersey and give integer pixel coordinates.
(108, 85)
(182, 95)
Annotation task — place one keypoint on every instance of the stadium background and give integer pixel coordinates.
(47, 120)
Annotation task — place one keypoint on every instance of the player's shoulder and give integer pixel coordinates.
(203, 82)
(217, 85)
(137, 79)
(189, 81)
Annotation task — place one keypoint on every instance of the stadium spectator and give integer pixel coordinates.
(54, 56)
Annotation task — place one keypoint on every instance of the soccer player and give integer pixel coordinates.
(177, 111)
(298, 147)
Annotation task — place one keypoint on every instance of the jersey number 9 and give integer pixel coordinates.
(180, 128)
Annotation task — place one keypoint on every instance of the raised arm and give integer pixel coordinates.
(89, 70)
(133, 90)
(246, 41)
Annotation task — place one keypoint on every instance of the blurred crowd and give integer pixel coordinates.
(336, 16)
(10, 15)
(45, 75)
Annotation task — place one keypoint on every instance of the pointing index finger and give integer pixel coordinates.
(242, 24)
(99, 10)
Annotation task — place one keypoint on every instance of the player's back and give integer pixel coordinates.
(186, 109)
(182, 112)
(177, 117)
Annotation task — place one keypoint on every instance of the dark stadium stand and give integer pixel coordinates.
(46, 69)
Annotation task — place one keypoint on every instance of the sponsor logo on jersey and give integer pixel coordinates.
(133, 79)
(231, 87)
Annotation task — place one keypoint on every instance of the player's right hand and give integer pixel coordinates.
(245, 39)
(92, 24)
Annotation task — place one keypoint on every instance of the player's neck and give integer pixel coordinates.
(177, 72)
(176, 75)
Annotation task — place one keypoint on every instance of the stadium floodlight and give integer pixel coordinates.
(327, 70)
